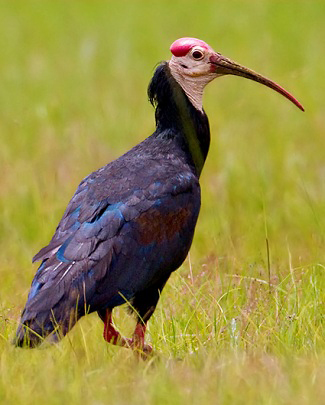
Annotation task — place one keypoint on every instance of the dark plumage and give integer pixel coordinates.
(131, 223)
(128, 226)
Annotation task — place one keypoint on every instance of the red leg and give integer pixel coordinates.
(111, 335)
(138, 338)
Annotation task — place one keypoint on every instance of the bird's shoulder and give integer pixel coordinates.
(141, 191)
(118, 193)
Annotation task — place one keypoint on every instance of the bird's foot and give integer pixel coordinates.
(140, 348)
(137, 344)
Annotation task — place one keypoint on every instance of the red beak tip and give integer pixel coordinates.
(300, 106)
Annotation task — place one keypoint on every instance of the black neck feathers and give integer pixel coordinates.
(176, 116)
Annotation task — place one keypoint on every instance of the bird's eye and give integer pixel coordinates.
(197, 54)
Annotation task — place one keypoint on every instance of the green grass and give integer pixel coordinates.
(238, 323)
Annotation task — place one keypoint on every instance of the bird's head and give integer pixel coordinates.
(194, 64)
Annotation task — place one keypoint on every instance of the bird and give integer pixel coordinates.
(131, 223)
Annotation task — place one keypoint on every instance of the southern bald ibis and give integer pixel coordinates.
(130, 224)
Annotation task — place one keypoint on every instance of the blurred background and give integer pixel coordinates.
(73, 97)
(73, 80)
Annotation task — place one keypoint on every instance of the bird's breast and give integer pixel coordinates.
(156, 226)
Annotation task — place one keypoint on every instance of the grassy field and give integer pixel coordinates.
(238, 323)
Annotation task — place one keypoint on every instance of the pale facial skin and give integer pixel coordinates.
(194, 64)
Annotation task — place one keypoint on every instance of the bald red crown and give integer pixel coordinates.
(183, 45)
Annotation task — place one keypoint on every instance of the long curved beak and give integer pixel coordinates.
(224, 66)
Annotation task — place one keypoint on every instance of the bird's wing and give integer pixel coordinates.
(81, 250)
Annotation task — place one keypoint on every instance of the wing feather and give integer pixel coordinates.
(93, 235)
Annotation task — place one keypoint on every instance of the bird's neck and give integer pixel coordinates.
(177, 117)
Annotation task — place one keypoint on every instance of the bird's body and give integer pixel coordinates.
(129, 225)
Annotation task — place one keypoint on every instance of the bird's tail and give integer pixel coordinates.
(43, 327)
(31, 334)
